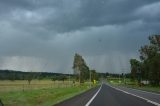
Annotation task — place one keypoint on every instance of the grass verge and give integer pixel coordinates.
(40, 97)
(133, 84)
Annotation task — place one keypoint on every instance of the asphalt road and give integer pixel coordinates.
(79, 100)
(148, 95)
(107, 95)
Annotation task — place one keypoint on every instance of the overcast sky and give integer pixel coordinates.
(44, 35)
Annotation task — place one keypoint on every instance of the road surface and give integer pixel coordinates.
(107, 95)
(79, 100)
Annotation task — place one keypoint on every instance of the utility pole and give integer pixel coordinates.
(69, 78)
(90, 78)
(124, 74)
(119, 78)
(79, 77)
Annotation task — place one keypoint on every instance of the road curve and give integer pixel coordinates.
(107, 95)
(79, 100)
(148, 95)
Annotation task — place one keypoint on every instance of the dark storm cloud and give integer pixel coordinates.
(97, 13)
(39, 32)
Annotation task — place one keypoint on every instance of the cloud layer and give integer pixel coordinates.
(38, 35)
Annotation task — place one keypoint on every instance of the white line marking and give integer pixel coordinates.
(152, 102)
(144, 91)
(89, 102)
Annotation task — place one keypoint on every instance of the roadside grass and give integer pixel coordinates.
(22, 85)
(133, 84)
(41, 97)
(39, 93)
(149, 88)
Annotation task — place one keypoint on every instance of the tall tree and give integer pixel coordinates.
(30, 77)
(135, 68)
(155, 40)
(150, 56)
(93, 75)
(81, 70)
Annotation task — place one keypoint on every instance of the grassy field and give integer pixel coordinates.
(22, 85)
(133, 84)
(39, 93)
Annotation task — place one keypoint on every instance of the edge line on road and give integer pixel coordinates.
(152, 102)
(89, 102)
(144, 91)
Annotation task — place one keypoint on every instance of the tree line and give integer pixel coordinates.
(81, 73)
(29, 76)
(148, 66)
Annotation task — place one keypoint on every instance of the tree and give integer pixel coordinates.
(62, 78)
(29, 77)
(135, 68)
(93, 75)
(13, 76)
(150, 61)
(155, 40)
(81, 70)
(54, 78)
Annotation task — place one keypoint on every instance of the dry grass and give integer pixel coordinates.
(22, 85)
(38, 93)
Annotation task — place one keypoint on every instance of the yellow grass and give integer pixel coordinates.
(22, 85)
